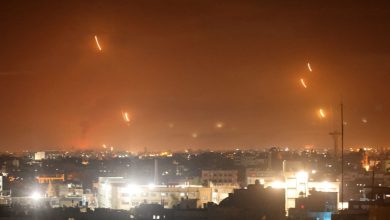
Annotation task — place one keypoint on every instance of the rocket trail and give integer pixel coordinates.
(126, 117)
(322, 113)
(303, 83)
(97, 43)
(309, 67)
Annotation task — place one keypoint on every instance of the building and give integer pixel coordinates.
(298, 185)
(1, 184)
(295, 184)
(41, 155)
(263, 176)
(255, 202)
(386, 166)
(47, 179)
(376, 209)
(220, 177)
(318, 205)
(120, 193)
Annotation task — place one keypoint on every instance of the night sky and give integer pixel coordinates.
(192, 74)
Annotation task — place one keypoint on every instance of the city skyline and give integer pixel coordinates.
(193, 74)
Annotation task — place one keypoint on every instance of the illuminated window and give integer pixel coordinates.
(291, 193)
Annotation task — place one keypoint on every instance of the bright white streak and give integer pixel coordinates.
(309, 67)
(303, 83)
(97, 43)
(219, 125)
(322, 113)
(126, 116)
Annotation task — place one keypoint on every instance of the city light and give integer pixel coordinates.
(132, 189)
(278, 185)
(327, 187)
(35, 196)
(202, 110)
(106, 187)
(302, 176)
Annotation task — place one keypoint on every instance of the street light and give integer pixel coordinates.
(35, 196)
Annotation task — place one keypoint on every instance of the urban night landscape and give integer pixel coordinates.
(195, 110)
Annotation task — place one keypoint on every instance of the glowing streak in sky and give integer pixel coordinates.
(126, 117)
(309, 67)
(322, 113)
(303, 83)
(219, 125)
(97, 43)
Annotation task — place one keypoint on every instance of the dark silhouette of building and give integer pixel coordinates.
(256, 202)
(377, 208)
(318, 205)
(253, 203)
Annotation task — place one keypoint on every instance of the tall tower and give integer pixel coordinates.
(156, 181)
(336, 136)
